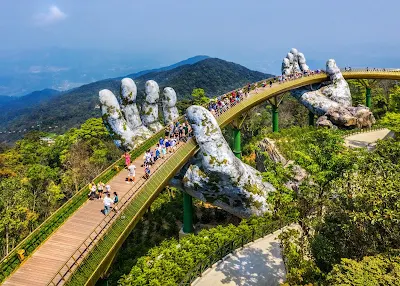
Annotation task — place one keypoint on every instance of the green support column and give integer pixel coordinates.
(275, 127)
(237, 149)
(187, 213)
(311, 118)
(368, 97)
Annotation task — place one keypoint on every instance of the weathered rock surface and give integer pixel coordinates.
(150, 107)
(170, 110)
(221, 178)
(332, 100)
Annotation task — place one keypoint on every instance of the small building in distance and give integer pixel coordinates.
(48, 140)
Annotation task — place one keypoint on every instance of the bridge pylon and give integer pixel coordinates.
(187, 213)
(275, 102)
(368, 97)
(311, 117)
(237, 139)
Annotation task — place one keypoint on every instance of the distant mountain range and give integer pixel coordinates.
(49, 108)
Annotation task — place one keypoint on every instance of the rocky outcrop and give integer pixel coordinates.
(123, 122)
(268, 148)
(333, 100)
(150, 107)
(220, 178)
(170, 110)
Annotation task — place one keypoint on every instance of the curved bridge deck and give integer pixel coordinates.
(82, 249)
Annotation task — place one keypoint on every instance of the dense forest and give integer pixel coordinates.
(72, 108)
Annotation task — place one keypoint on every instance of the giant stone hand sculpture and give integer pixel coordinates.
(332, 102)
(124, 124)
(150, 107)
(221, 178)
(170, 110)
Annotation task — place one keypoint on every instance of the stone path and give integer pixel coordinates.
(368, 139)
(258, 263)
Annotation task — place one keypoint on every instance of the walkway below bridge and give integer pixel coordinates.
(258, 263)
(368, 139)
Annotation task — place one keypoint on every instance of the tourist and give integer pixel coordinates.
(108, 189)
(100, 187)
(163, 151)
(270, 83)
(115, 201)
(131, 173)
(167, 145)
(158, 152)
(127, 157)
(147, 172)
(93, 190)
(161, 141)
(107, 204)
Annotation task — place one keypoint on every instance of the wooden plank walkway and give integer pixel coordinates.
(41, 267)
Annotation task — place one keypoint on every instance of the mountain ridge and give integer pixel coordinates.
(72, 108)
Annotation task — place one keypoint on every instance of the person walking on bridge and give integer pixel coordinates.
(127, 157)
(107, 204)
(132, 173)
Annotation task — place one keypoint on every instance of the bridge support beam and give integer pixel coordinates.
(187, 213)
(275, 119)
(311, 117)
(368, 97)
(237, 149)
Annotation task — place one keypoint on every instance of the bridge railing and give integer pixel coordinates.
(369, 69)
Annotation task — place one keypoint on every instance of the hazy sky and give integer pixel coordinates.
(256, 34)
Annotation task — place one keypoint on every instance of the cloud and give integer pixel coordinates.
(53, 15)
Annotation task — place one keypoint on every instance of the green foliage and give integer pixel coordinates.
(301, 269)
(392, 121)
(362, 218)
(370, 271)
(199, 97)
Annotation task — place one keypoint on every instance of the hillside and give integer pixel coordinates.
(72, 108)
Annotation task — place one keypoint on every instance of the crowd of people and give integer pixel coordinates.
(175, 133)
(96, 191)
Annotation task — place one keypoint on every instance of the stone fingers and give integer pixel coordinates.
(170, 110)
(150, 107)
(114, 120)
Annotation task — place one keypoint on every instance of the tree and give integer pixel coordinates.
(199, 97)
(370, 271)
(16, 214)
(391, 121)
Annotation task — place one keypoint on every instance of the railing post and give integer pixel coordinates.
(187, 213)
(275, 119)
(368, 97)
(311, 117)
(237, 149)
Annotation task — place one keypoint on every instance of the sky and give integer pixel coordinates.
(254, 33)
